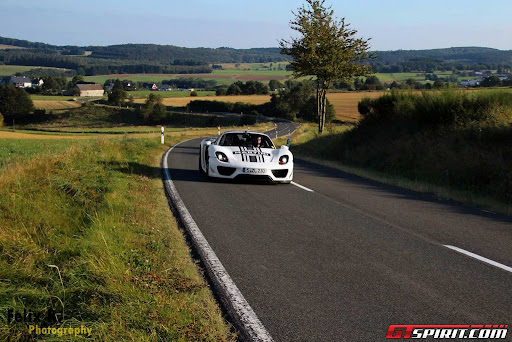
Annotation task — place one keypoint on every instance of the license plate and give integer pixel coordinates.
(251, 170)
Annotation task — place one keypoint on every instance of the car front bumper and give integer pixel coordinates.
(274, 172)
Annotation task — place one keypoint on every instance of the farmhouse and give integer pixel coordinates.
(471, 83)
(165, 87)
(37, 82)
(20, 81)
(90, 89)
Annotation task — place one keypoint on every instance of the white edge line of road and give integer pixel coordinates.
(238, 308)
(481, 258)
(302, 187)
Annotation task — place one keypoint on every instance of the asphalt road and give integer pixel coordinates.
(351, 257)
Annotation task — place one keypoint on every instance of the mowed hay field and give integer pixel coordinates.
(183, 101)
(55, 105)
(345, 103)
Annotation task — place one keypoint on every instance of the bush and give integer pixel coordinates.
(364, 106)
(447, 107)
(247, 120)
(1, 120)
(193, 93)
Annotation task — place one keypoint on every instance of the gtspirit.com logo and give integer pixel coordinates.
(448, 331)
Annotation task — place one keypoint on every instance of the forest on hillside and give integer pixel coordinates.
(169, 59)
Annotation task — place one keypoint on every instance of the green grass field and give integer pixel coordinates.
(259, 72)
(12, 150)
(156, 78)
(51, 97)
(9, 70)
(87, 232)
(254, 66)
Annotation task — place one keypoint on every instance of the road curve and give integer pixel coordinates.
(351, 257)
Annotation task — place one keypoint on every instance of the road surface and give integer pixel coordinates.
(344, 261)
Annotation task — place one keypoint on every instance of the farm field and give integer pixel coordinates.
(5, 47)
(253, 66)
(9, 70)
(50, 97)
(55, 105)
(221, 78)
(345, 104)
(183, 101)
(145, 93)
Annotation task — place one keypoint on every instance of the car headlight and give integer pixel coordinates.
(283, 160)
(221, 156)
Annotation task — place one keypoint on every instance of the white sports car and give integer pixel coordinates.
(244, 154)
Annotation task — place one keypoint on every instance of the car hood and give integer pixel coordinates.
(252, 154)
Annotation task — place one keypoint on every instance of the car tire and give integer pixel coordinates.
(208, 171)
(201, 171)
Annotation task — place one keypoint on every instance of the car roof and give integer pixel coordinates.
(240, 131)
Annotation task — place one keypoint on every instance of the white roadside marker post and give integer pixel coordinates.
(162, 135)
(275, 128)
(218, 130)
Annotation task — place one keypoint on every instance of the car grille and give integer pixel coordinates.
(280, 173)
(225, 171)
(245, 177)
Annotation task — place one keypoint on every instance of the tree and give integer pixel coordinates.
(118, 94)
(275, 85)
(234, 89)
(438, 84)
(491, 81)
(14, 102)
(49, 84)
(153, 110)
(326, 49)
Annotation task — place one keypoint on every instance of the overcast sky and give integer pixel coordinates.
(392, 24)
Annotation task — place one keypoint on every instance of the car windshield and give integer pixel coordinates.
(246, 140)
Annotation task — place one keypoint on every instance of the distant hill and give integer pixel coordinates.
(152, 58)
(454, 54)
(157, 53)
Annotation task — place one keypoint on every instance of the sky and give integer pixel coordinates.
(391, 24)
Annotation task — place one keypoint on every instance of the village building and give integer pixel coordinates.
(20, 81)
(90, 90)
(165, 87)
(37, 83)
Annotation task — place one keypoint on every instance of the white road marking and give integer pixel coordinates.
(302, 187)
(481, 258)
(237, 306)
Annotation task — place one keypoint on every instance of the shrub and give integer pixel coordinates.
(448, 107)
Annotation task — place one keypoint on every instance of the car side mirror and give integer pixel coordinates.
(284, 147)
(208, 143)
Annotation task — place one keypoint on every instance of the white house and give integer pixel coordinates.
(20, 81)
(471, 83)
(37, 82)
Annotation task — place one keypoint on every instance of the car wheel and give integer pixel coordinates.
(200, 166)
(208, 170)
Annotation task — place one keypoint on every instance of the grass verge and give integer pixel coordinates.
(87, 232)
(327, 149)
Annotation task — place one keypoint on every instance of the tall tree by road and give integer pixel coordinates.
(325, 48)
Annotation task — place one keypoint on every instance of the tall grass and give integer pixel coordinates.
(458, 140)
(88, 233)
(448, 107)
